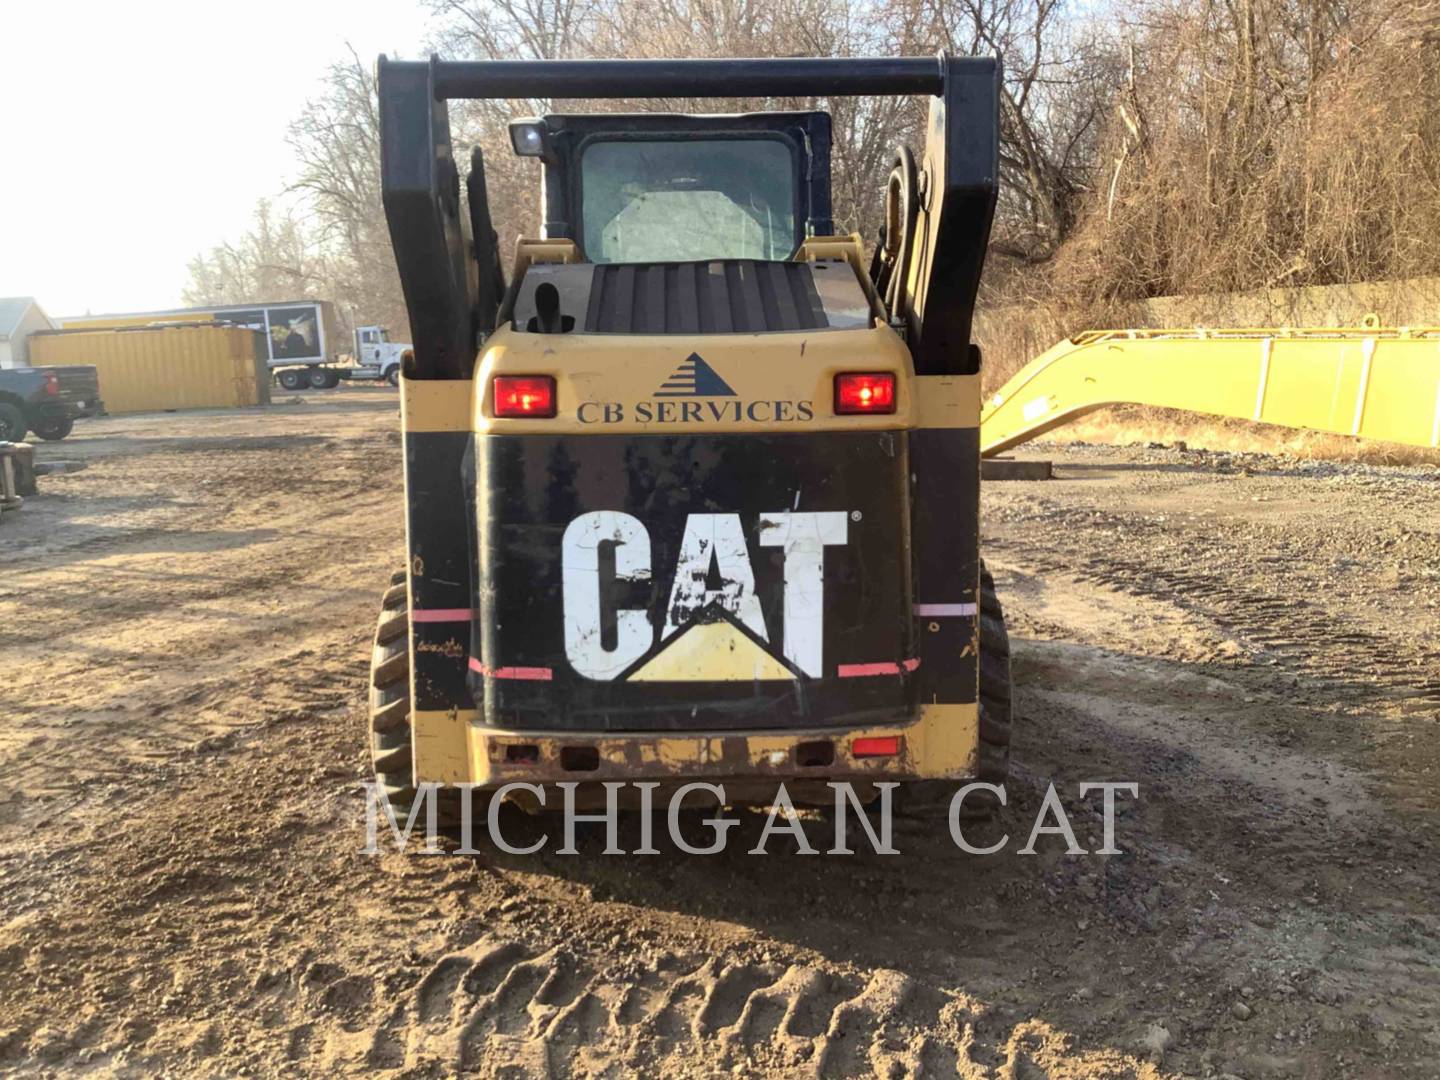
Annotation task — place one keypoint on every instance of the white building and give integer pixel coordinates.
(20, 316)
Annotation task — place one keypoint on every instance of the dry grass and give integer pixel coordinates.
(1261, 145)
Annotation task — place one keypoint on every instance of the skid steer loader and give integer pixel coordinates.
(692, 492)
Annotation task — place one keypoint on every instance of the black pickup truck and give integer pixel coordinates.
(46, 400)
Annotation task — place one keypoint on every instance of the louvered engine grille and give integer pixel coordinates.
(730, 296)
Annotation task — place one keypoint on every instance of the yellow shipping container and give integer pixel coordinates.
(177, 367)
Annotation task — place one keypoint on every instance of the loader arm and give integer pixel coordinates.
(1371, 382)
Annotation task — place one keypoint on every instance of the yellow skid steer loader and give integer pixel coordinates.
(692, 490)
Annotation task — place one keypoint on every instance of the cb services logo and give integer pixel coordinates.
(676, 402)
(694, 378)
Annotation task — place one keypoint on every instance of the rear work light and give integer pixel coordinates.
(876, 746)
(524, 395)
(857, 392)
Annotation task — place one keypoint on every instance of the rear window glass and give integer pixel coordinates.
(677, 201)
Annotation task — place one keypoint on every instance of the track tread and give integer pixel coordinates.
(501, 997)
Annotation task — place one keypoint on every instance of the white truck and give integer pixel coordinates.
(376, 356)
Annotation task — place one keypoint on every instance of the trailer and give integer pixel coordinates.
(302, 337)
(173, 366)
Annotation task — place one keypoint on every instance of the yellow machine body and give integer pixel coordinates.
(593, 371)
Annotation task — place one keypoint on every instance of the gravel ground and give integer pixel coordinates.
(1253, 640)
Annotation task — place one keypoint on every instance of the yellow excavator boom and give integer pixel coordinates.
(1373, 382)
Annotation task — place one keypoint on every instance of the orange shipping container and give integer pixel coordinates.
(173, 367)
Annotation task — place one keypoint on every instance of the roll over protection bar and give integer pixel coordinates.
(444, 272)
(771, 77)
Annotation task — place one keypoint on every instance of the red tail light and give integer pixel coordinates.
(524, 395)
(52, 383)
(857, 392)
(882, 746)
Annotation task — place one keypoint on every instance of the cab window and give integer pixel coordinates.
(667, 200)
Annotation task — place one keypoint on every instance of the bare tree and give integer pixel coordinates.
(274, 260)
(1170, 146)
(1266, 143)
(510, 30)
(1059, 77)
(336, 140)
(514, 29)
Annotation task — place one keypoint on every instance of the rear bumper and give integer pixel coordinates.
(942, 743)
(68, 410)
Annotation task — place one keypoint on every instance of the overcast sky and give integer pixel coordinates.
(136, 133)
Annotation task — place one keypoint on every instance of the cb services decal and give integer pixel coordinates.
(712, 628)
(695, 393)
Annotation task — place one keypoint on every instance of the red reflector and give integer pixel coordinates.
(524, 395)
(865, 393)
(885, 746)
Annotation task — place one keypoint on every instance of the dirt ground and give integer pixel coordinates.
(186, 627)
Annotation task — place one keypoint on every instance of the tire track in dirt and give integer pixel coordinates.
(201, 907)
(502, 1008)
(203, 579)
(1291, 628)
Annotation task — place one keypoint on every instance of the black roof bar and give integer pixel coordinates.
(780, 77)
